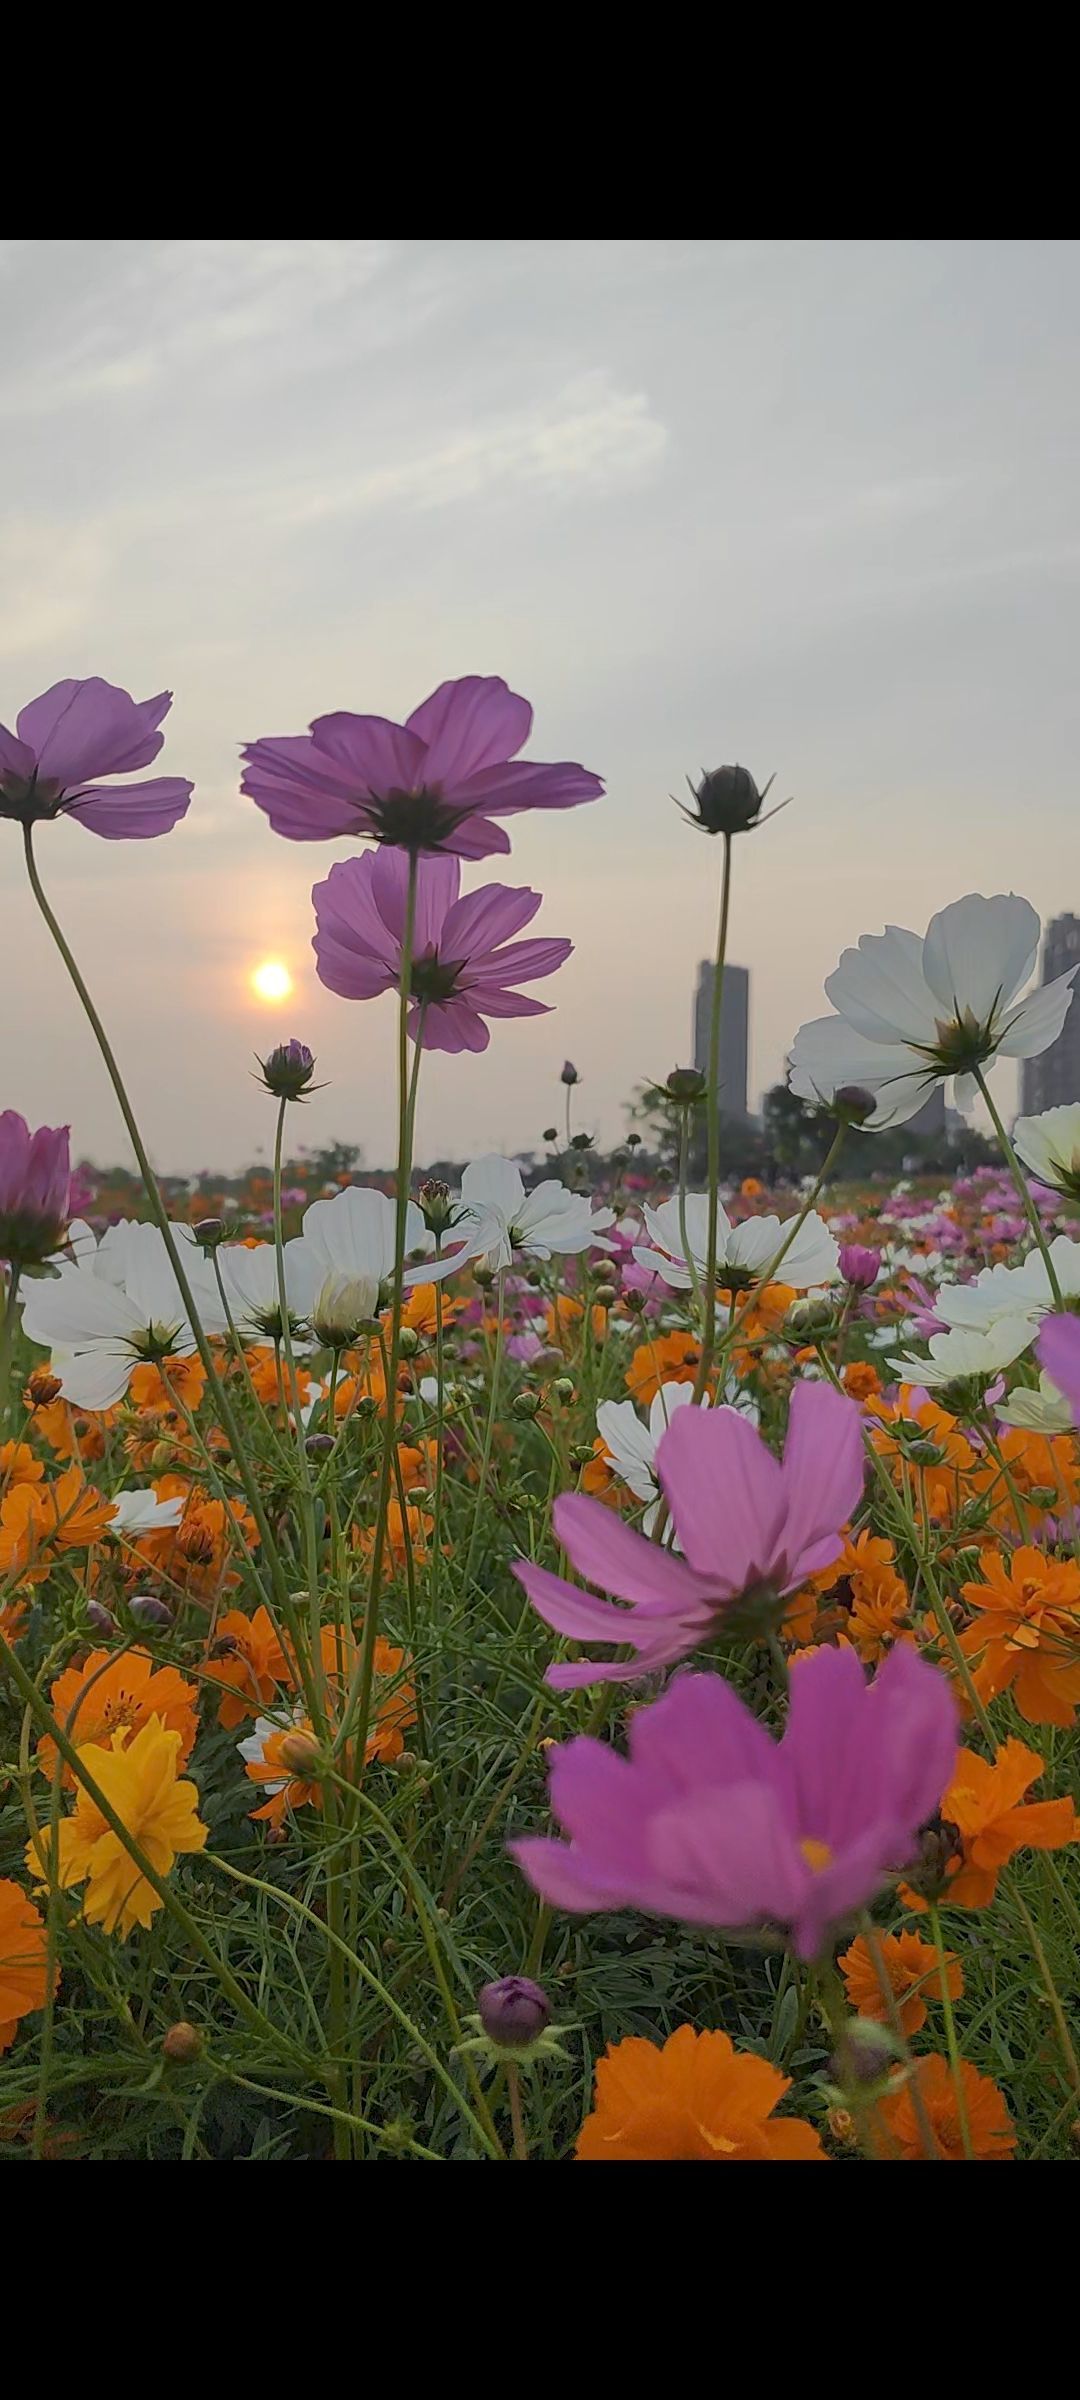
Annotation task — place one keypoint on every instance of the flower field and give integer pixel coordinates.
(565, 1663)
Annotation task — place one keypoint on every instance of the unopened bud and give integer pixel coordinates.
(514, 2011)
(525, 1404)
(726, 801)
(146, 1610)
(852, 1104)
(484, 1276)
(300, 1753)
(42, 1389)
(550, 1133)
(568, 1072)
(288, 1070)
(435, 1205)
(605, 1295)
(408, 1341)
(344, 1306)
(319, 1445)
(563, 1387)
(183, 2043)
(581, 1141)
(685, 1086)
(100, 1617)
(209, 1231)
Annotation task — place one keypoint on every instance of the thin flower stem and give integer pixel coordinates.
(311, 1543)
(7, 1340)
(489, 1432)
(320, 2108)
(950, 2032)
(712, 1120)
(517, 2118)
(1050, 1988)
(359, 1697)
(1023, 1194)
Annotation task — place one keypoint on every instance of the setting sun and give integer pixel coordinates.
(272, 981)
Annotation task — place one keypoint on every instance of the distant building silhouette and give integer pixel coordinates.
(1054, 1079)
(930, 1118)
(734, 1034)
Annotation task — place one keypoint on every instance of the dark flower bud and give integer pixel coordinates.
(288, 1070)
(514, 2011)
(867, 2053)
(852, 1104)
(685, 1086)
(146, 1610)
(210, 1231)
(42, 1389)
(568, 1072)
(550, 1133)
(319, 1445)
(726, 801)
(926, 1454)
(183, 2043)
(633, 1141)
(605, 1295)
(99, 1617)
(563, 1387)
(525, 1404)
(581, 1141)
(534, 1278)
(859, 1267)
(940, 1848)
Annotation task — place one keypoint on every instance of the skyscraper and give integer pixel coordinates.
(1053, 1079)
(734, 1034)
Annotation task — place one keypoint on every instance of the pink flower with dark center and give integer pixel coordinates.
(434, 783)
(463, 962)
(68, 739)
(710, 1821)
(35, 1183)
(751, 1527)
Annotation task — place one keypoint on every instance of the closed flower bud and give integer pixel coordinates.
(146, 1610)
(940, 1848)
(581, 1141)
(99, 1617)
(288, 1070)
(42, 1389)
(514, 2011)
(867, 2054)
(550, 1133)
(563, 1387)
(435, 1205)
(684, 1087)
(568, 1072)
(605, 1295)
(408, 1341)
(35, 1184)
(581, 1454)
(810, 1316)
(319, 1445)
(725, 801)
(926, 1454)
(852, 1105)
(484, 1276)
(859, 1267)
(525, 1404)
(633, 1141)
(300, 1753)
(344, 1305)
(209, 1231)
(183, 2043)
(365, 1406)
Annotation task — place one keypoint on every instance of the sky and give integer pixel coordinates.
(812, 506)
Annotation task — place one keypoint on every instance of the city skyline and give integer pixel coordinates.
(1053, 1079)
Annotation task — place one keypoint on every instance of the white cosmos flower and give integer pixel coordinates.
(143, 1512)
(1050, 1147)
(957, 1356)
(102, 1317)
(745, 1250)
(632, 1444)
(913, 1009)
(1004, 1292)
(503, 1221)
(1044, 1411)
(354, 1235)
(250, 1280)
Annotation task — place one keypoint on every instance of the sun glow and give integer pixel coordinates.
(272, 980)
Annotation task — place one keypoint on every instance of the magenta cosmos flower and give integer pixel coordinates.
(751, 1527)
(711, 1821)
(1058, 1347)
(35, 1186)
(463, 963)
(68, 739)
(434, 783)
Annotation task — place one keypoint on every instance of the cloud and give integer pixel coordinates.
(589, 436)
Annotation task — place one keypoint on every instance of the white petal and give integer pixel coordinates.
(978, 952)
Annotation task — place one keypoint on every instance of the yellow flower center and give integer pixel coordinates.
(816, 1854)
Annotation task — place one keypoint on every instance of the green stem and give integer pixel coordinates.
(7, 1341)
(489, 1431)
(712, 1120)
(950, 2032)
(1023, 1194)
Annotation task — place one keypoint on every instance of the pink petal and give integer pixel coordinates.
(483, 919)
(467, 726)
(133, 811)
(80, 730)
(526, 783)
(824, 1472)
(1058, 1347)
(378, 757)
(726, 1495)
(611, 1555)
(519, 962)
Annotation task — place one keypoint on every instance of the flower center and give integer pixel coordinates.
(420, 820)
(817, 1854)
(28, 798)
(435, 978)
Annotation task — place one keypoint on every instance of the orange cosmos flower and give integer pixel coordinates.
(984, 1803)
(403, 1533)
(914, 1973)
(38, 1518)
(18, 1464)
(273, 1754)
(109, 1698)
(250, 1669)
(991, 2132)
(750, 1188)
(420, 1311)
(565, 1317)
(161, 1387)
(946, 1484)
(1036, 1462)
(73, 1433)
(13, 1616)
(417, 1464)
(140, 1784)
(193, 1556)
(694, 2096)
(1027, 1633)
(273, 1384)
(861, 1380)
(670, 1358)
(23, 1960)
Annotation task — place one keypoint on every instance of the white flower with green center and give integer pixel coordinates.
(504, 1222)
(1050, 1148)
(913, 1009)
(105, 1315)
(744, 1253)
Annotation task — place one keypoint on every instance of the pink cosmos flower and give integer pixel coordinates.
(747, 1523)
(71, 736)
(711, 1821)
(1058, 1347)
(35, 1184)
(463, 964)
(434, 783)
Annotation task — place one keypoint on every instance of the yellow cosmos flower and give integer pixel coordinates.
(160, 1812)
